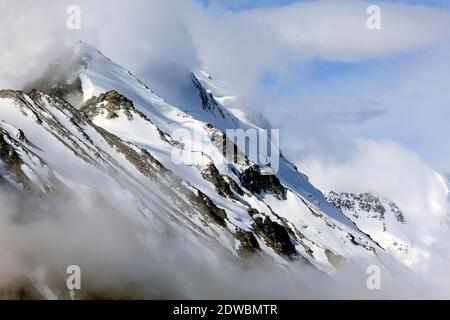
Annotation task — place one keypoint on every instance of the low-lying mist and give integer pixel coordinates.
(119, 260)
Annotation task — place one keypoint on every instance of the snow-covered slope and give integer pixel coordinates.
(377, 216)
(121, 142)
(411, 236)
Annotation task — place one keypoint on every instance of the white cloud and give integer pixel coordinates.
(237, 47)
(403, 99)
(29, 41)
(382, 167)
(234, 46)
(134, 34)
(337, 30)
(387, 169)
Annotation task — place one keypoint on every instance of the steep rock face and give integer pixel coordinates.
(12, 162)
(377, 216)
(275, 235)
(223, 187)
(253, 180)
(208, 101)
(248, 242)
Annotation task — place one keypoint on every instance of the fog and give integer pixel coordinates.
(119, 260)
(160, 41)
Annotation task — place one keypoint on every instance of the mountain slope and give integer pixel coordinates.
(163, 168)
(377, 216)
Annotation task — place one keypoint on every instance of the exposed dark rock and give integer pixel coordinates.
(153, 169)
(222, 187)
(208, 101)
(110, 102)
(356, 243)
(234, 186)
(248, 242)
(205, 205)
(254, 181)
(252, 212)
(143, 160)
(21, 136)
(59, 130)
(374, 206)
(275, 235)
(9, 94)
(398, 213)
(11, 159)
(20, 99)
(229, 149)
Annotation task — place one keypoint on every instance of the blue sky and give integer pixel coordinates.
(239, 5)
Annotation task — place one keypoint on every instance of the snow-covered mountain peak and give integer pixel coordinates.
(96, 131)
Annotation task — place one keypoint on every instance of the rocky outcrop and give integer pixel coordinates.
(248, 242)
(12, 161)
(206, 206)
(255, 182)
(222, 187)
(110, 103)
(371, 205)
(275, 235)
(208, 101)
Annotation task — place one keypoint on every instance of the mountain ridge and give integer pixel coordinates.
(118, 143)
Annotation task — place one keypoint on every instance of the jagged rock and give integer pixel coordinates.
(13, 162)
(142, 160)
(229, 149)
(356, 243)
(234, 186)
(208, 101)
(110, 102)
(222, 187)
(374, 206)
(20, 98)
(155, 198)
(275, 235)
(21, 135)
(255, 182)
(208, 207)
(248, 242)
